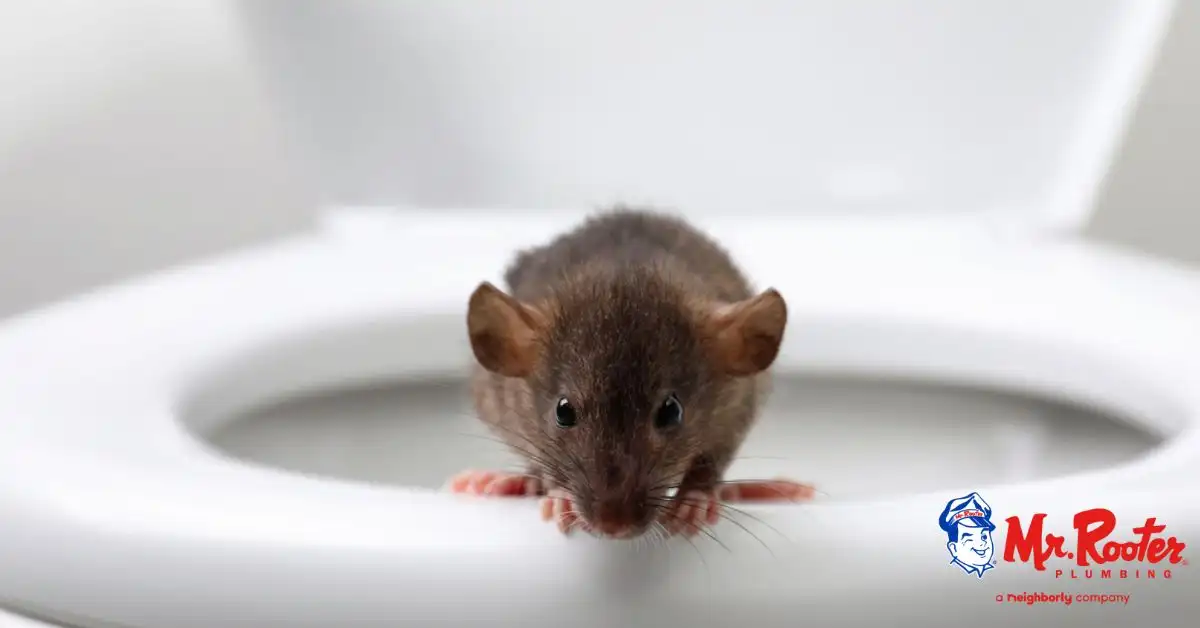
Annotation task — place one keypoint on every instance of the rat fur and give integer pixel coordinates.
(616, 318)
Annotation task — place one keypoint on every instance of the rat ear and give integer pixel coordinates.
(746, 335)
(504, 332)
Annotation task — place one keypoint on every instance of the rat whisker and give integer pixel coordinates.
(658, 460)
(552, 460)
(579, 466)
(553, 471)
(672, 514)
(570, 519)
(516, 448)
(668, 509)
(534, 462)
(748, 515)
(722, 513)
(511, 432)
(727, 517)
(698, 552)
(516, 434)
(674, 483)
(706, 531)
(487, 437)
(658, 533)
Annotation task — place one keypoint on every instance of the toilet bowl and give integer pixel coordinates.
(118, 514)
(118, 506)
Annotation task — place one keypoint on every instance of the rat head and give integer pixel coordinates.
(629, 380)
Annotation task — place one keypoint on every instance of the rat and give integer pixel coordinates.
(625, 362)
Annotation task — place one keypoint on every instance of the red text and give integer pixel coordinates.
(1092, 527)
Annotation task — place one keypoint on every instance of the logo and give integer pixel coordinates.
(1092, 547)
(967, 522)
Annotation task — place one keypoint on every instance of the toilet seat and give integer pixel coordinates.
(117, 513)
(113, 513)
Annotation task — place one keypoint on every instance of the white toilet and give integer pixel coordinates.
(940, 248)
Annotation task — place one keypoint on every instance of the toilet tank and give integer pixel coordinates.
(868, 108)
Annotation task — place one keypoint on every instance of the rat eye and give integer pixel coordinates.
(670, 414)
(564, 414)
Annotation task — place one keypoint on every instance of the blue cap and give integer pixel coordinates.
(968, 510)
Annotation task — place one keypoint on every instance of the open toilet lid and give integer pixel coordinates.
(1009, 111)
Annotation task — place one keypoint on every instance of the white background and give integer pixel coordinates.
(134, 135)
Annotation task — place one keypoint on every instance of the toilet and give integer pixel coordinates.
(923, 225)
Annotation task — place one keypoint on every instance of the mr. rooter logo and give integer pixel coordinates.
(1149, 554)
(1092, 546)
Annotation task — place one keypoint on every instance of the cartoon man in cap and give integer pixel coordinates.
(967, 522)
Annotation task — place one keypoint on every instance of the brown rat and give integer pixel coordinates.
(626, 363)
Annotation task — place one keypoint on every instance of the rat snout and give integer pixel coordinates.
(619, 516)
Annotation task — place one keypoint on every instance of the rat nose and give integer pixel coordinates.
(616, 517)
(611, 528)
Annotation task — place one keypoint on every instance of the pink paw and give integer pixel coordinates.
(558, 507)
(693, 511)
(765, 491)
(697, 510)
(495, 483)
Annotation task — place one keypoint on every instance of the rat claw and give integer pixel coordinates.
(694, 511)
(557, 506)
(494, 483)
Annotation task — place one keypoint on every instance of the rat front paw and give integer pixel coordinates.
(495, 483)
(692, 512)
(557, 506)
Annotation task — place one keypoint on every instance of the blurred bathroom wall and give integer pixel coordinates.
(133, 135)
